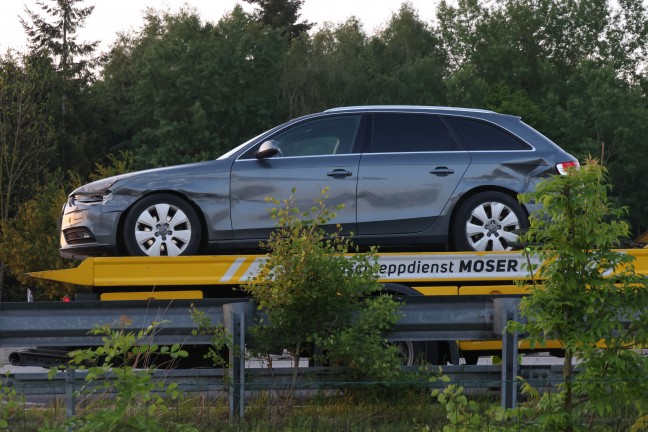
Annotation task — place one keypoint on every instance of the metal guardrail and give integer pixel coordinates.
(422, 319)
(213, 380)
(49, 324)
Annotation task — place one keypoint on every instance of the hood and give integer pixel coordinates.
(103, 185)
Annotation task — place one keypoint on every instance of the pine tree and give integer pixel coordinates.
(58, 35)
(282, 14)
(52, 32)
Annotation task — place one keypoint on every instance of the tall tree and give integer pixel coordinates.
(326, 69)
(407, 64)
(26, 131)
(283, 15)
(58, 36)
(182, 90)
(53, 32)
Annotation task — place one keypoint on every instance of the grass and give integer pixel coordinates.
(340, 410)
(372, 408)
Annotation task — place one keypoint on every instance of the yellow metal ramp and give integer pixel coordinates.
(443, 269)
(157, 271)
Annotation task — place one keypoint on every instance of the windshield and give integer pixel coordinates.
(237, 148)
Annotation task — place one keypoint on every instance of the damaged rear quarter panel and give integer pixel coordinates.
(520, 173)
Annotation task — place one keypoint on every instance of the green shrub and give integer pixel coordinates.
(592, 301)
(123, 365)
(314, 294)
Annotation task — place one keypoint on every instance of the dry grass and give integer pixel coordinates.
(334, 410)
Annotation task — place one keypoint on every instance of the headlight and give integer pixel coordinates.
(93, 198)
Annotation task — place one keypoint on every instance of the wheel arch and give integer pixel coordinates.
(472, 192)
(121, 247)
(399, 289)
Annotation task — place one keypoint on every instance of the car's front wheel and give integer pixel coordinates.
(488, 221)
(161, 225)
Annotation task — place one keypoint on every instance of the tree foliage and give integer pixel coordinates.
(10, 404)
(281, 15)
(30, 242)
(124, 365)
(314, 294)
(590, 299)
(26, 133)
(52, 33)
(55, 33)
(407, 63)
(182, 91)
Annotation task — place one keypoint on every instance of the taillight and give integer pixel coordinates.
(563, 167)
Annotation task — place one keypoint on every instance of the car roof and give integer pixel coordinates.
(411, 108)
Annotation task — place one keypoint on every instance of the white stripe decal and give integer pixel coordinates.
(253, 270)
(230, 271)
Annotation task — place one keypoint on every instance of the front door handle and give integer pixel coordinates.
(339, 173)
(442, 171)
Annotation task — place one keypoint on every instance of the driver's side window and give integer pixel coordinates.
(319, 137)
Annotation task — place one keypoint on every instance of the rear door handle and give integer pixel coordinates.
(339, 173)
(442, 171)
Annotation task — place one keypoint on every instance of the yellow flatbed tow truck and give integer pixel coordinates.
(423, 273)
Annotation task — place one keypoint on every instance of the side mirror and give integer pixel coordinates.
(267, 150)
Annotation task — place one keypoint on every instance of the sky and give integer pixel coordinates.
(113, 16)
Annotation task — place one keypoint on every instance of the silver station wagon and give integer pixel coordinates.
(408, 176)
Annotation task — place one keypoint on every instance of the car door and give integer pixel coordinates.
(313, 155)
(408, 174)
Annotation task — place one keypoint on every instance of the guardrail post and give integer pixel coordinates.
(235, 316)
(506, 310)
(70, 398)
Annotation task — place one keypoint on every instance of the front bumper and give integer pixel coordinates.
(88, 230)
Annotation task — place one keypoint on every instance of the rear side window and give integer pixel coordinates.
(485, 136)
(401, 133)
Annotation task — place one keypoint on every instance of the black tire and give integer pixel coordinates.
(449, 353)
(471, 357)
(162, 225)
(436, 352)
(417, 353)
(430, 353)
(488, 221)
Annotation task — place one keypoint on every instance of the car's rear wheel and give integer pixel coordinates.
(418, 353)
(161, 225)
(488, 221)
